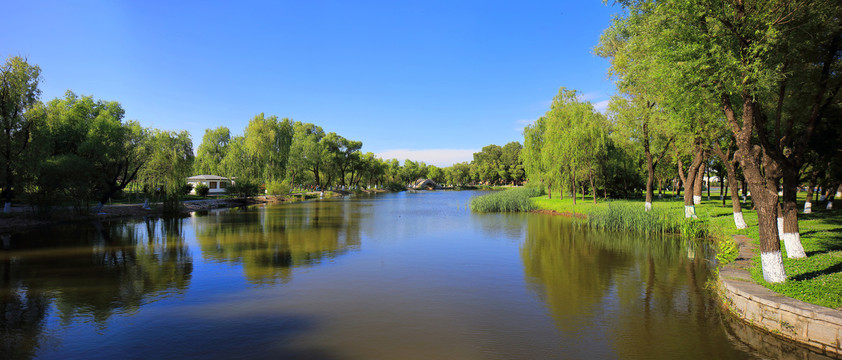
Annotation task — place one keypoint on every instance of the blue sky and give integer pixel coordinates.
(431, 80)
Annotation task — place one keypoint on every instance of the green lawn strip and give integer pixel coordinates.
(816, 279)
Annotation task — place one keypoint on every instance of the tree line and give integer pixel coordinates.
(746, 89)
(80, 150)
(285, 154)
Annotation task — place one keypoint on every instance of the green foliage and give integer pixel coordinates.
(393, 186)
(169, 164)
(243, 188)
(212, 152)
(726, 250)
(202, 190)
(277, 187)
(511, 200)
(631, 216)
(18, 96)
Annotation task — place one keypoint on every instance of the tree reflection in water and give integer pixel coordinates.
(646, 294)
(270, 242)
(88, 272)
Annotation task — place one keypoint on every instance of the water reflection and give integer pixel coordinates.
(95, 271)
(269, 242)
(648, 293)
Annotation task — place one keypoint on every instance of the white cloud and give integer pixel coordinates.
(601, 106)
(437, 157)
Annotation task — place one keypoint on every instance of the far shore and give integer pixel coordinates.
(23, 218)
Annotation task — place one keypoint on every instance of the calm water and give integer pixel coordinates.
(397, 276)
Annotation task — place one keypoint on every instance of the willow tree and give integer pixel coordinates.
(267, 141)
(168, 166)
(211, 151)
(531, 157)
(574, 140)
(18, 95)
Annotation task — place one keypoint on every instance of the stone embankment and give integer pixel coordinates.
(813, 325)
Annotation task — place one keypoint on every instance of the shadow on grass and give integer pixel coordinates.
(813, 274)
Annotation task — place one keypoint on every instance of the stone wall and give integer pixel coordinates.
(817, 326)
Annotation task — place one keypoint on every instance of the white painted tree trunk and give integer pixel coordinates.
(690, 211)
(822, 198)
(739, 220)
(697, 199)
(146, 204)
(794, 250)
(7, 208)
(773, 267)
(98, 208)
(808, 207)
(743, 199)
(829, 205)
(648, 205)
(780, 228)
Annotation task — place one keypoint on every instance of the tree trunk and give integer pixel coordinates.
(731, 168)
(699, 183)
(831, 196)
(690, 179)
(791, 234)
(593, 188)
(808, 204)
(650, 167)
(574, 187)
(764, 192)
(549, 190)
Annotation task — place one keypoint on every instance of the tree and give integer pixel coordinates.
(531, 156)
(758, 62)
(18, 94)
(267, 141)
(212, 151)
(306, 152)
(169, 164)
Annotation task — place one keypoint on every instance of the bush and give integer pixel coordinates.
(202, 190)
(243, 188)
(186, 189)
(511, 200)
(393, 186)
(278, 187)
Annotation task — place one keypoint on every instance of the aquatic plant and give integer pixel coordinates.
(510, 200)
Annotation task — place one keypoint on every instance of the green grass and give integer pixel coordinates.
(510, 200)
(816, 279)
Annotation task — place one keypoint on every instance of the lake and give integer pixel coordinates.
(390, 276)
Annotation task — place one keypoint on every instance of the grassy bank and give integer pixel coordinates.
(816, 279)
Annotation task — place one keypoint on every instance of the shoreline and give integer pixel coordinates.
(814, 326)
(22, 218)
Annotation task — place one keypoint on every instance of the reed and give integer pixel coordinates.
(510, 200)
(632, 217)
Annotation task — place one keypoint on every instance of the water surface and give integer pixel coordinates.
(395, 276)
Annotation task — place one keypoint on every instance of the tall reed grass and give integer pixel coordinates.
(633, 217)
(510, 200)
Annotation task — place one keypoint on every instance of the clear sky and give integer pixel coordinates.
(430, 80)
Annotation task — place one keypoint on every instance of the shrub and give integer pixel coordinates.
(393, 186)
(186, 189)
(243, 188)
(278, 187)
(202, 190)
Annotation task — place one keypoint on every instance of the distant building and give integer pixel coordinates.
(216, 184)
